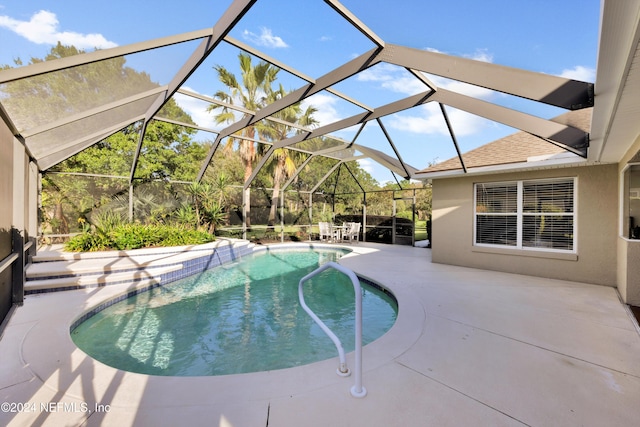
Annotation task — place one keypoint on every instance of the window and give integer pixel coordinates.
(536, 214)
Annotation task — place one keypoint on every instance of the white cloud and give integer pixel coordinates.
(430, 121)
(43, 28)
(393, 78)
(581, 73)
(196, 109)
(481, 55)
(398, 80)
(265, 38)
(427, 119)
(325, 104)
(367, 165)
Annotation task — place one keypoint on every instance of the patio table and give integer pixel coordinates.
(337, 231)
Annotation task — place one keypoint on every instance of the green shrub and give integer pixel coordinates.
(135, 236)
(88, 242)
(106, 221)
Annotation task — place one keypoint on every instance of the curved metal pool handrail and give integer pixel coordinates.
(357, 390)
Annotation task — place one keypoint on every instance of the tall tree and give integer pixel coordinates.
(43, 99)
(168, 150)
(283, 161)
(251, 94)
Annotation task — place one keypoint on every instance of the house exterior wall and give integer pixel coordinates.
(628, 265)
(597, 225)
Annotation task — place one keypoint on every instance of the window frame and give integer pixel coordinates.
(625, 200)
(520, 215)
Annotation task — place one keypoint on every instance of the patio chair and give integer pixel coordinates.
(325, 231)
(352, 233)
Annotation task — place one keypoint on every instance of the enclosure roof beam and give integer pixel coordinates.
(231, 16)
(67, 150)
(207, 161)
(354, 177)
(386, 161)
(7, 119)
(214, 147)
(420, 76)
(328, 151)
(354, 21)
(60, 149)
(297, 172)
(259, 166)
(395, 150)
(345, 71)
(261, 55)
(387, 109)
(567, 137)
(360, 129)
(136, 155)
(93, 112)
(45, 67)
(324, 178)
(187, 125)
(212, 100)
(240, 109)
(288, 69)
(350, 68)
(229, 19)
(552, 90)
(396, 178)
(453, 136)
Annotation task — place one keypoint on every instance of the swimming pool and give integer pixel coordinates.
(238, 318)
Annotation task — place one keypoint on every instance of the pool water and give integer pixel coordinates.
(237, 318)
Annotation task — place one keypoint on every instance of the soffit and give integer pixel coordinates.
(615, 124)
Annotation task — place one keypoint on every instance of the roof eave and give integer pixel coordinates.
(509, 167)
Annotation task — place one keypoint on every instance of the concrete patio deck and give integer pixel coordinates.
(470, 347)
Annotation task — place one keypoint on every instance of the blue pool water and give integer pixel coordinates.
(236, 319)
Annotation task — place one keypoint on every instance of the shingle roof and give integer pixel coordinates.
(514, 148)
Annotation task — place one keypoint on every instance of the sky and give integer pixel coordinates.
(547, 36)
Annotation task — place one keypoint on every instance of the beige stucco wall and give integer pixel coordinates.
(628, 265)
(597, 208)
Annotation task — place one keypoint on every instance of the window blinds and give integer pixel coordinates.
(526, 214)
(548, 214)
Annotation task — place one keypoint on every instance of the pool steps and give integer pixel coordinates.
(55, 270)
(150, 276)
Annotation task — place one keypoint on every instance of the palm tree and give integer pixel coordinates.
(251, 95)
(283, 161)
(198, 191)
